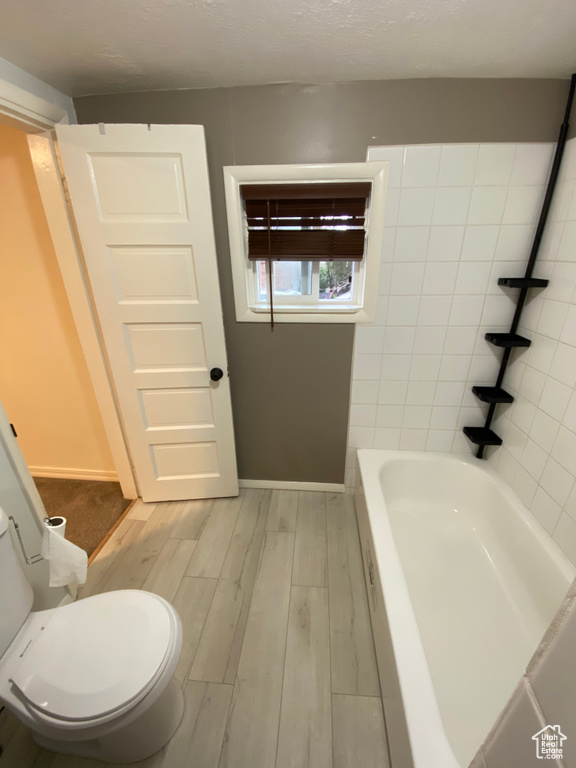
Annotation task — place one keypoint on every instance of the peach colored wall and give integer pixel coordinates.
(44, 381)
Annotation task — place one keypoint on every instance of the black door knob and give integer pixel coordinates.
(216, 374)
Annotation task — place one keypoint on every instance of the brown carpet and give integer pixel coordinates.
(90, 507)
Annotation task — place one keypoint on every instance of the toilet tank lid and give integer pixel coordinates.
(97, 655)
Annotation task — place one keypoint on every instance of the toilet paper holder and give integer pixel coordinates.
(29, 560)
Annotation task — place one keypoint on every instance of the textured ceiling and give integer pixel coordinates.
(106, 46)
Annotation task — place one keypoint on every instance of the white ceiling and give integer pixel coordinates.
(106, 46)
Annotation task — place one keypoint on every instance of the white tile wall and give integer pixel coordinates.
(539, 428)
(458, 218)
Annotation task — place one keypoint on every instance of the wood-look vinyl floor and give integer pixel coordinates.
(277, 667)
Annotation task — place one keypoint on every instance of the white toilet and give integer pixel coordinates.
(93, 678)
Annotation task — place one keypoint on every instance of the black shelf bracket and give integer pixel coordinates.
(492, 395)
(523, 282)
(507, 340)
(483, 436)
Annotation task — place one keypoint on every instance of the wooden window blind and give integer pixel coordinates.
(306, 222)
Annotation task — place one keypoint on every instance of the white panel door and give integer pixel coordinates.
(141, 200)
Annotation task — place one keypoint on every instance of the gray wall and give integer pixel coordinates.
(290, 387)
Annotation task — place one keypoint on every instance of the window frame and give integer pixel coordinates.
(369, 267)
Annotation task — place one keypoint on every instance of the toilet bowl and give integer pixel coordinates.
(93, 678)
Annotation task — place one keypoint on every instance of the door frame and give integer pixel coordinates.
(37, 117)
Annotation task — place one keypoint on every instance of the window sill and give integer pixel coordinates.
(306, 309)
(297, 315)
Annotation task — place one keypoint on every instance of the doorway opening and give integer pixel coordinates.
(45, 384)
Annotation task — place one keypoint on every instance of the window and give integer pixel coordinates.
(312, 234)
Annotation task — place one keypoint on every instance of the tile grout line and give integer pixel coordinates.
(186, 678)
(260, 556)
(233, 686)
(184, 505)
(218, 580)
(286, 635)
(206, 521)
(293, 535)
(118, 556)
(231, 537)
(358, 696)
(262, 494)
(286, 638)
(328, 570)
(365, 591)
(228, 714)
(118, 560)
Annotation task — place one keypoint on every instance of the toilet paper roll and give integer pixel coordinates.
(57, 524)
(67, 563)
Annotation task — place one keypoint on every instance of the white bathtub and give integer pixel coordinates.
(463, 584)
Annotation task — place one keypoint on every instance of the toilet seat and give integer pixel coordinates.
(128, 637)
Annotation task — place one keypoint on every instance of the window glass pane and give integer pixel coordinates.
(262, 280)
(336, 279)
(292, 278)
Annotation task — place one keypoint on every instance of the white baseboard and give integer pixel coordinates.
(286, 485)
(73, 474)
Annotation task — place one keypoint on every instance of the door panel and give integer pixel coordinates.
(138, 187)
(170, 407)
(141, 200)
(142, 274)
